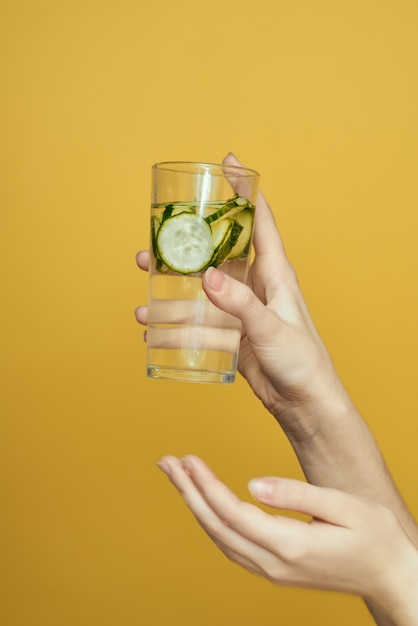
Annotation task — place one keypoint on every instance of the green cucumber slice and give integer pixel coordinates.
(228, 209)
(184, 243)
(226, 233)
(220, 232)
(155, 226)
(242, 246)
(178, 207)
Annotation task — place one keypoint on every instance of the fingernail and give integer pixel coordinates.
(260, 488)
(186, 464)
(164, 467)
(214, 278)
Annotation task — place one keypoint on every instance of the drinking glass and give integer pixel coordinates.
(202, 215)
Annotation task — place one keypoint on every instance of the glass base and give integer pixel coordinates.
(191, 376)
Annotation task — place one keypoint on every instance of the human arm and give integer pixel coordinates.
(349, 545)
(286, 364)
(289, 369)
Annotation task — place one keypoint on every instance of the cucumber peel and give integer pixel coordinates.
(232, 230)
(242, 245)
(228, 209)
(179, 207)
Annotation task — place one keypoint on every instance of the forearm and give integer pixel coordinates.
(336, 449)
(383, 619)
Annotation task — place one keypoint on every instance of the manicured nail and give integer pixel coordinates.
(214, 278)
(164, 467)
(260, 488)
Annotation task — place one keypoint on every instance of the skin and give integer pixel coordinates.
(350, 544)
(287, 366)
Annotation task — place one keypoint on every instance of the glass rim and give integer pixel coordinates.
(175, 166)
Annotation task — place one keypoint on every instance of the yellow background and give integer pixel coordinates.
(321, 97)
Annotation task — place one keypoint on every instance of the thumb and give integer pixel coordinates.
(330, 505)
(237, 299)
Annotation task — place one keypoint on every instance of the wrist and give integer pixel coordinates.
(396, 601)
(311, 420)
(334, 445)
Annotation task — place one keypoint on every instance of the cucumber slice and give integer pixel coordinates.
(182, 208)
(155, 226)
(226, 233)
(220, 232)
(184, 243)
(176, 208)
(228, 209)
(242, 246)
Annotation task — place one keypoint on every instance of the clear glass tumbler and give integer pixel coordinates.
(202, 215)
